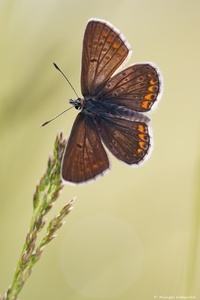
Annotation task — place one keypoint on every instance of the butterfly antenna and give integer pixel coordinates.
(47, 122)
(55, 65)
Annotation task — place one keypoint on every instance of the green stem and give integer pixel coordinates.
(47, 192)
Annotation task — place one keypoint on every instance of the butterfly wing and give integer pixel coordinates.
(136, 88)
(104, 50)
(128, 140)
(84, 156)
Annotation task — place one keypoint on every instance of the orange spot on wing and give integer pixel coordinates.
(151, 88)
(142, 145)
(148, 97)
(142, 136)
(153, 81)
(95, 166)
(110, 40)
(139, 151)
(146, 105)
(150, 75)
(104, 33)
(141, 128)
(116, 45)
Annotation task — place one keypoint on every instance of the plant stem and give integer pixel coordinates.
(47, 192)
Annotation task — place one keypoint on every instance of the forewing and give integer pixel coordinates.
(136, 87)
(84, 156)
(104, 50)
(128, 140)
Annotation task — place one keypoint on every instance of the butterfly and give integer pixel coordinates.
(112, 108)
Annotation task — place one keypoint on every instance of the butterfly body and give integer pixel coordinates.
(93, 107)
(112, 108)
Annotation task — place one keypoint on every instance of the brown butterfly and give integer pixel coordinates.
(112, 107)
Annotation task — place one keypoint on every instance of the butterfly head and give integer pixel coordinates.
(78, 103)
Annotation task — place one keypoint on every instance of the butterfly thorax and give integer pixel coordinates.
(103, 108)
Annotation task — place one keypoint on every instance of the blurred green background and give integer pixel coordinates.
(133, 234)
